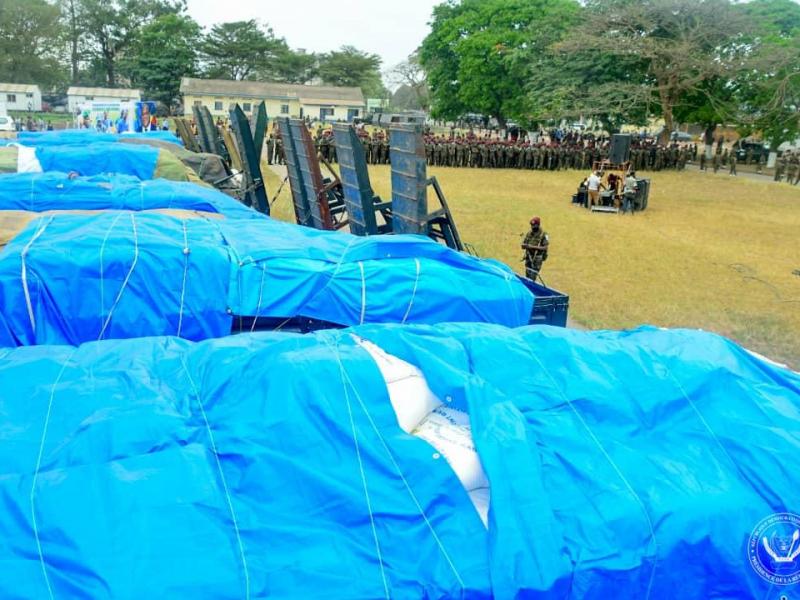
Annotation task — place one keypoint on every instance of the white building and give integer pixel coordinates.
(325, 103)
(21, 96)
(80, 97)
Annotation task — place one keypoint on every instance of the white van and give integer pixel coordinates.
(7, 123)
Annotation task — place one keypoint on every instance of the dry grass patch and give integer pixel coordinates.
(711, 252)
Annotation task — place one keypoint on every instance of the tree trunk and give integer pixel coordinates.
(108, 58)
(665, 87)
(708, 133)
(73, 31)
(669, 123)
(608, 124)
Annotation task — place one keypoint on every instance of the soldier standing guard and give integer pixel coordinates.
(780, 165)
(535, 245)
(791, 169)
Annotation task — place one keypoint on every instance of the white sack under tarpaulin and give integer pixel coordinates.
(275, 465)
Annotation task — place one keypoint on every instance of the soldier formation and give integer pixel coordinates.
(547, 153)
(789, 165)
(574, 151)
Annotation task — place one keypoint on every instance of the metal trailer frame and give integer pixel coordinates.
(410, 190)
(233, 150)
(253, 191)
(206, 137)
(185, 133)
(258, 126)
(325, 199)
(361, 202)
(302, 209)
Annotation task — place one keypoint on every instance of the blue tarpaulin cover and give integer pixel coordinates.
(97, 158)
(73, 278)
(41, 192)
(621, 465)
(88, 136)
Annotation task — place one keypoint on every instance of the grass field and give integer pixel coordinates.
(710, 252)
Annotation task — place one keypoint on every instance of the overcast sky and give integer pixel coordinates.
(391, 29)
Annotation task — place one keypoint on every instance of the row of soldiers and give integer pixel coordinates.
(789, 164)
(494, 153)
(499, 154)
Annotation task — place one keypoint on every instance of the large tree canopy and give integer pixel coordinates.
(164, 51)
(241, 50)
(768, 93)
(680, 47)
(472, 54)
(111, 27)
(30, 33)
(350, 67)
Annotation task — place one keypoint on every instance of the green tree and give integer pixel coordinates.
(610, 89)
(349, 67)
(294, 66)
(72, 22)
(110, 28)
(683, 47)
(164, 51)
(242, 50)
(768, 92)
(30, 35)
(478, 53)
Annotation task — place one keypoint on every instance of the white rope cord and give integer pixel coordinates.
(186, 253)
(260, 296)
(362, 473)
(413, 292)
(610, 461)
(24, 271)
(127, 277)
(363, 293)
(221, 473)
(38, 468)
(102, 252)
(412, 495)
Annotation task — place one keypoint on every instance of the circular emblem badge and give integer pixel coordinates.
(774, 548)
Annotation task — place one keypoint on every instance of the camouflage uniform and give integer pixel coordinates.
(791, 170)
(780, 166)
(535, 258)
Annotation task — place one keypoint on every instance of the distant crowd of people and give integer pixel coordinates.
(145, 121)
(489, 150)
(547, 151)
(31, 124)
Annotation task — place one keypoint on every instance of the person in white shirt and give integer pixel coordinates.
(594, 184)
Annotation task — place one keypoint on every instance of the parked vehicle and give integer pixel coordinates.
(681, 136)
(7, 123)
(758, 148)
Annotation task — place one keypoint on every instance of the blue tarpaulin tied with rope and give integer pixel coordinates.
(69, 278)
(621, 464)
